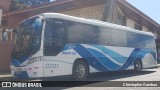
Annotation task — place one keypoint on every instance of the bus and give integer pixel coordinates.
(52, 44)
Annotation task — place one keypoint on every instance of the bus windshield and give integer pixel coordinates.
(28, 38)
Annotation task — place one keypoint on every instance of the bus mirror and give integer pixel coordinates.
(37, 24)
(14, 31)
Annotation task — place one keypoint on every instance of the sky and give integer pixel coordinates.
(150, 7)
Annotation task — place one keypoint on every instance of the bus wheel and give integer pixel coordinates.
(80, 70)
(138, 66)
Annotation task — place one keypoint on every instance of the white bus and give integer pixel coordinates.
(52, 44)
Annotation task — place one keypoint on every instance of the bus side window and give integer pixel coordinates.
(54, 38)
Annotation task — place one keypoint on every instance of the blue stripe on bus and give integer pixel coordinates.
(102, 60)
(99, 61)
(130, 59)
(116, 56)
(140, 54)
(92, 60)
(105, 60)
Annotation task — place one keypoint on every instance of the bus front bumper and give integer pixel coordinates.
(21, 74)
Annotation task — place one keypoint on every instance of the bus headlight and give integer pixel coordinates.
(35, 59)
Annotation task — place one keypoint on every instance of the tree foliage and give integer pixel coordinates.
(35, 2)
(20, 4)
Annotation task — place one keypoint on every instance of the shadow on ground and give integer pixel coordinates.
(93, 78)
(105, 76)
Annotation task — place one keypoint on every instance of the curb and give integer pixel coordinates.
(5, 73)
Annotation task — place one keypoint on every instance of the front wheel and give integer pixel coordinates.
(80, 70)
(138, 66)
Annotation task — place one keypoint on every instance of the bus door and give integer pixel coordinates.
(54, 42)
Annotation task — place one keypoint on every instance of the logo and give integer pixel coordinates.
(6, 84)
(20, 84)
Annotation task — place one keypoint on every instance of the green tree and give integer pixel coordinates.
(35, 2)
(17, 4)
(20, 4)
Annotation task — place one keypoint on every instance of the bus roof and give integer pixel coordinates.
(94, 22)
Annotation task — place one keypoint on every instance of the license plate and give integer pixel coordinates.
(17, 72)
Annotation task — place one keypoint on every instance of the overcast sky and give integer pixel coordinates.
(150, 7)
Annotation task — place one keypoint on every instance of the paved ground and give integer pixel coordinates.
(145, 75)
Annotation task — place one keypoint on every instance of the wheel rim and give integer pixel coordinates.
(138, 66)
(80, 71)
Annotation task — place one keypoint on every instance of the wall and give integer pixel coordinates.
(1, 34)
(94, 12)
(14, 20)
(0, 16)
(144, 28)
(130, 23)
(6, 49)
(5, 5)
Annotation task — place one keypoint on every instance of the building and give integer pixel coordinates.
(5, 47)
(5, 5)
(114, 11)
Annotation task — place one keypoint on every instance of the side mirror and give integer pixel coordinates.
(14, 31)
(37, 24)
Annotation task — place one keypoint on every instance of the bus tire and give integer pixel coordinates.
(137, 65)
(80, 70)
